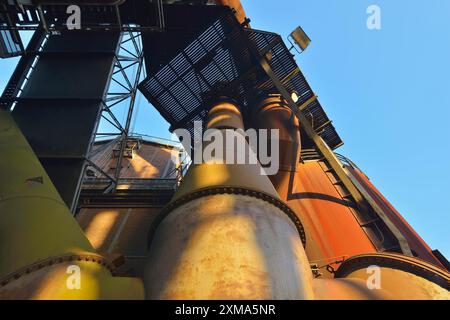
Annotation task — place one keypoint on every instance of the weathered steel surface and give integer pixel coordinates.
(227, 247)
(228, 234)
(405, 278)
(417, 244)
(332, 231)
(39, 236)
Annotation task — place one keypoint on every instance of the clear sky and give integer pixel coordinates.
(387, 92)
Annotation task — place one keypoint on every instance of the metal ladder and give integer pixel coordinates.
(369, 221)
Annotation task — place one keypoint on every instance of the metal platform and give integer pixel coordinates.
(221, 61)
(130, 193)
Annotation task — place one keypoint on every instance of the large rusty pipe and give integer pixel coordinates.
(331, 229)
(40, 240)
(227, 235)
(272, 112)
(401, 277)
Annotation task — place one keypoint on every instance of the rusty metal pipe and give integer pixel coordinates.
(331, 229)
(402, 277)
(271, 113)
(227, 235)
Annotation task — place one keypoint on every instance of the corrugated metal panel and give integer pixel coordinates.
(219, 61)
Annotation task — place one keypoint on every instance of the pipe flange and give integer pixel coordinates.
(404, 263)
(41, 264)
(228, 190)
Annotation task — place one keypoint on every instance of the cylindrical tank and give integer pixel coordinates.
(272, 113)
(403, 277)
(331, 229)
(227, 235)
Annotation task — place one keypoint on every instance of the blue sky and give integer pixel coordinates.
(387, 92)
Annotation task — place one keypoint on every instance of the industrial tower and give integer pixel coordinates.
(130, 212)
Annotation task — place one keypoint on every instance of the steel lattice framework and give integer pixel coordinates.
(122, 92)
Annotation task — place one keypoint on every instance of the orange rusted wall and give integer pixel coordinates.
(417, 244)
(331, 229)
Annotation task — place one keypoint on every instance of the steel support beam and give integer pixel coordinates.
(324, 149)
(128, 69)
(126, 130)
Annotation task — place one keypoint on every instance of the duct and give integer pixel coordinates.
(41, 241)
(229, 235)
(347, 289)
(331, 229)
(403, 277)
(225, 115)
(271, 113)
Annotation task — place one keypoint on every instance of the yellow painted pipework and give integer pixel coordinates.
(402, 277)
(347, 289)
(39, 238)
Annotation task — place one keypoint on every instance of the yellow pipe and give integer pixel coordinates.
(40, 240)
(347, 289)
(402, 277)
(228, 234)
